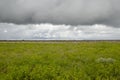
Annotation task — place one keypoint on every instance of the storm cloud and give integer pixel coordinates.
(69, 12)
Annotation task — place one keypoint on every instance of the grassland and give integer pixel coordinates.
(60, 60)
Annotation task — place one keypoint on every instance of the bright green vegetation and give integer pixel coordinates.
(60, 61)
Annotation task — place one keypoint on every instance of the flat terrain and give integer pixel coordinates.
(85, 60)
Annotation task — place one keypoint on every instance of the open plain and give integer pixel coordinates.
(60, 60)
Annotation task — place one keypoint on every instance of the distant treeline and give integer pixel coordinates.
(58, 40)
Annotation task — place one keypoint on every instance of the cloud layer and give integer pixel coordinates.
(58, 32)
(71, 12)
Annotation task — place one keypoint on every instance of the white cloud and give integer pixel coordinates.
(50, 31)
(5, 31)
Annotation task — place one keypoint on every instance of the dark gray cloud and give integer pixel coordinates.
(74, 12)
(58, 32)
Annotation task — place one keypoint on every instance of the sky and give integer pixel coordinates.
(60, 19)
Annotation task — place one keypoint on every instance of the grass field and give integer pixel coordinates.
(60, 60)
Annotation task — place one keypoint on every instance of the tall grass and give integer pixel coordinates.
(60, 61)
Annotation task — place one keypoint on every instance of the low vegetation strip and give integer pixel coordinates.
(60, 61)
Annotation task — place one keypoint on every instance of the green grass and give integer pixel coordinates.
(60, 61)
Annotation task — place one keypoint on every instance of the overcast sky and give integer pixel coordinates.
(60, 19)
